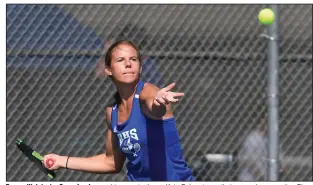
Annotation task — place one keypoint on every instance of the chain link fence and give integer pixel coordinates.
(214, 53)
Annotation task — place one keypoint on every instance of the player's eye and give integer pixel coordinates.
(120, 60)
(134, 59)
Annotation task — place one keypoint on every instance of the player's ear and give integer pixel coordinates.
(108, 71)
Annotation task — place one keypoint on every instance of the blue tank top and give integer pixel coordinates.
(152, 147)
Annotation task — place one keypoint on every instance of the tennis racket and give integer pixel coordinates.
(34, 157)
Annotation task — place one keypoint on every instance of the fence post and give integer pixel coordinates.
(273, 97)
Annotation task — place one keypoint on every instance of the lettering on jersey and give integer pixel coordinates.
(127, 140)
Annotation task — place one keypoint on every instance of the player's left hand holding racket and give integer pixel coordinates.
(37, 158)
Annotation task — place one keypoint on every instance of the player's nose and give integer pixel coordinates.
(128, 63)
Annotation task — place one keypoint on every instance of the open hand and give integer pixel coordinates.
(165, 96)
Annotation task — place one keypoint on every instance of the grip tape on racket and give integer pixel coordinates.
(34, 157)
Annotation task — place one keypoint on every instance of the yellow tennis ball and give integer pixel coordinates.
(266, 16)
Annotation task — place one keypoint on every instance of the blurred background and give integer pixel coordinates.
(215, 53)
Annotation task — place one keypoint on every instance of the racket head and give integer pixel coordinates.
(35, 157)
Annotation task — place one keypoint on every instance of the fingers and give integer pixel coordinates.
(48, 162)
(170, 97)
(156, 103)
(160, 101)
(169, 87)
(178, 94)
(165, 100)
(172, 100)
(165, 96)
(44, 161)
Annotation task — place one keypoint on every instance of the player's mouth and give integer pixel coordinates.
(129, 73)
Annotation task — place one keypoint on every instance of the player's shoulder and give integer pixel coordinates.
(108, 110)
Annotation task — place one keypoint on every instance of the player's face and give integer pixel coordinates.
(125, 64)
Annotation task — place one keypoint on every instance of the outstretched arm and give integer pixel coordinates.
(109, 162)
(158, 101)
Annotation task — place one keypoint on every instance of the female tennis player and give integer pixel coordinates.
(141, 126)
